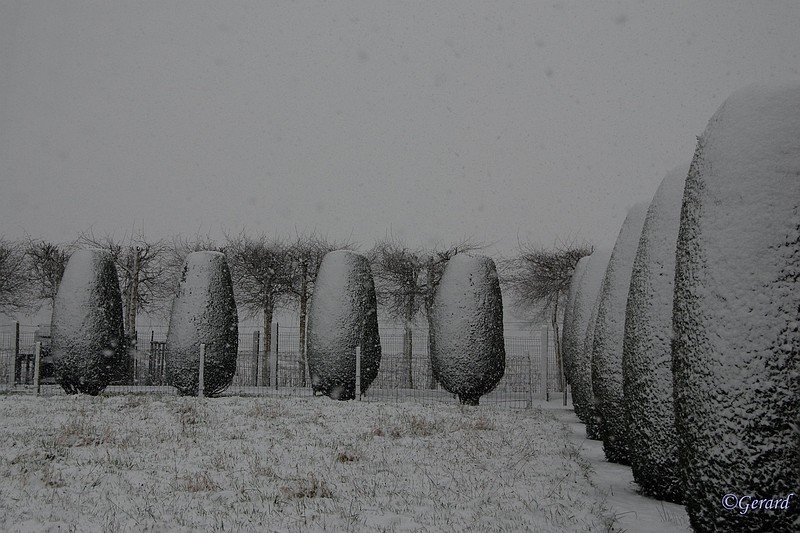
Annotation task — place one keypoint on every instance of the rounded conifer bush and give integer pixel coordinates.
(468, 356)
(88, 341)
(203, 312)
(584, 314)
(736, 352)
(646, 354)
(568, 326)
(343, 315)
(609, 332)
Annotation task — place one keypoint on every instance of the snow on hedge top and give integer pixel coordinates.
(594, 269)
(339, 298)
(649, 311)
(80, 278)
(610, 326)
(81, 306)
(204, 293)
(741, 219)
(737, 370)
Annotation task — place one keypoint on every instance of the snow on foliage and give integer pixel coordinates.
(88, 341)
(737, 347)
(343, 315)
(646, 355)
(568, 337)
(203, 312)
(608, 335)
(468, 356)
(579, 332)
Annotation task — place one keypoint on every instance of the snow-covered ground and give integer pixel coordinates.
(614, 482)
(163, 462)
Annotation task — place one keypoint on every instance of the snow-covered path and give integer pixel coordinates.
(632, 511)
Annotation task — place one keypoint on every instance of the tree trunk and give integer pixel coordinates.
(303, 314)
(431, 289)
(134, 305)
(407, 381)
(268, 311)
(431, 378)
(133, 338)
(127, 287)
(557, 346)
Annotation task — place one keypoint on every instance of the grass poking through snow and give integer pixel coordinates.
(139, 462)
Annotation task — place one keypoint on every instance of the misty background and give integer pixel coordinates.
(430, 121)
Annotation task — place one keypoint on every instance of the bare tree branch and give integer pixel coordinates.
(540, 278)
(16, 289)
(46, 263)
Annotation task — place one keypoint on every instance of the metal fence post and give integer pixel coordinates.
(256, 344)
(273, 357)
(260, 366)
(358, 373)
(37, 359)
(12, 371)
(530, 380)
(545, 362)
(201, 378)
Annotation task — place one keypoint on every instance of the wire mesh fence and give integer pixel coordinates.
(531, 371)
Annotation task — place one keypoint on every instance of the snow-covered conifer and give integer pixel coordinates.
(469, 352)
(568, 327)
(609, 331)
(88, 342)
(203, 312)
(646, 354)
(736, 353)
(342, 316)
(584, 315)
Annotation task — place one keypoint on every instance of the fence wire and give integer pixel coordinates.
(531, 371)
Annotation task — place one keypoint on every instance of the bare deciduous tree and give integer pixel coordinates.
(400, 287)
(263, 275)
(15, 283)
(46, 263)
(539, 278)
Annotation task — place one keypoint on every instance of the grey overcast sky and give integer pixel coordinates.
(433, 120)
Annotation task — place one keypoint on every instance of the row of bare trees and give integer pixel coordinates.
(272, 273)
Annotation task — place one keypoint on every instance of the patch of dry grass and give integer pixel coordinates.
(140, 462)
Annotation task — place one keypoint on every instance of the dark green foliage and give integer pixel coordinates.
(203, 312)
(88, 341)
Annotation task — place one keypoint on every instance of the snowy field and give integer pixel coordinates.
(144, 462)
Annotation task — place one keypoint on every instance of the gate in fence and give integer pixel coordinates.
(281, 369)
